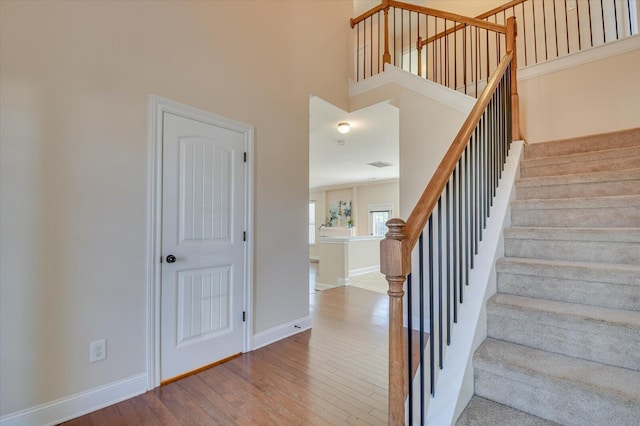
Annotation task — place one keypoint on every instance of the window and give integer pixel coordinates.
(378, 219)
(312, 223)
(379, 214)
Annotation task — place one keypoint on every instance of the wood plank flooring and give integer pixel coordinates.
(334, 374)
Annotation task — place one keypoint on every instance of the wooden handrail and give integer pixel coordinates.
(458, 27)
(499, 9)
(432, 12)
(427, 202)
(396, 248)
(370, 12)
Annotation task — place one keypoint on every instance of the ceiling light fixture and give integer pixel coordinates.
(344, 127)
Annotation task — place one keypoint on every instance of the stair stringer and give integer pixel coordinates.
(454, 387)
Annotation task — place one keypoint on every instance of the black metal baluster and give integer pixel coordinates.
(448, 261)
(555, 23)
(604, 31)
(456, 246)
(578, 23)
(431, 306)
(410, 346)
(461, 247)
(472, 201)
(535, 33)
(464, 58)
(440, 331)
(566, 23)
(590, 24)
(421, 307)
(467, 213)
(524, 33)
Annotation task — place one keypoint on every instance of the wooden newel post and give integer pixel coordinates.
(386, 57)
(512, 32)
(392, 266)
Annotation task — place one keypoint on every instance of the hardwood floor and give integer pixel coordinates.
(334, 374)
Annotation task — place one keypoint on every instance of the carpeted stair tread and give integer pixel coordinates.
(582, 185)
(612, 202)
(576, 178)
(483, 412)
(601, 155)
(614, 273)
(566, 168)
(605, 212)
(588, 332)
(560, 388)
(599, 142)
(599, 245)
(608, 285)
(628, 235)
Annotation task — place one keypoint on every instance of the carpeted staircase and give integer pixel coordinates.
(564, 328)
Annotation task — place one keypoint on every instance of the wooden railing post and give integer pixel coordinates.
(512, 32)
(386, 57)
(392, 266)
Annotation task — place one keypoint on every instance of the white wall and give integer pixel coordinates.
(75, 83)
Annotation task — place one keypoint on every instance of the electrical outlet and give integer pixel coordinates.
(98, 350)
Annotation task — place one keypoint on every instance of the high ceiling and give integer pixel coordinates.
(374, 137)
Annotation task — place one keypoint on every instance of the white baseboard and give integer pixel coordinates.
(323, 286)
(73, 406)
(362, 271)
(280, 332)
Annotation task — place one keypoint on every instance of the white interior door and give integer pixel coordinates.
(203, 202)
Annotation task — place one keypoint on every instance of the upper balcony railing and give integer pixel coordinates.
(450, 49)
(461, 52)
(550, 29)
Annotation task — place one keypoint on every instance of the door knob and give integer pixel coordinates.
(171, 258)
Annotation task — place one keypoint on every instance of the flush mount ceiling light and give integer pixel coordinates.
(344, 127)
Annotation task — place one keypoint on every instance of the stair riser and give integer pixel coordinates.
(623, 139)
(597, 217)
(607, 295)
(611, 154)
(591, 189)
(607, 165)
(590, 340)
(574, 251)
(555, 400)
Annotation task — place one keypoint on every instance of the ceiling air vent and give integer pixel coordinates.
(380, 164)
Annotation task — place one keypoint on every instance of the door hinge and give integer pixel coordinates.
(245, 157)
(244, 316)
(244, 236)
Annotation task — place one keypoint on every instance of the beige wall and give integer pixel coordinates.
(427, 128)
(361, 196)
(75, 84)
(383, 193)
(596, 97)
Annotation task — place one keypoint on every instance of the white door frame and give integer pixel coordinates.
(157, 107)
